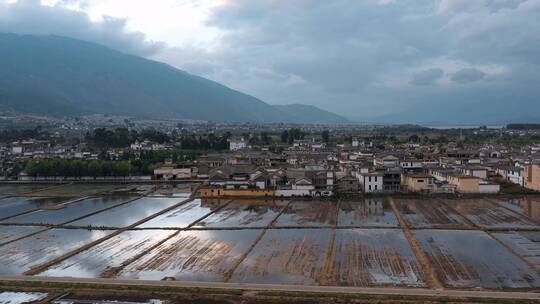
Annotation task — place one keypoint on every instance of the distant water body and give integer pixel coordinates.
(444, 127)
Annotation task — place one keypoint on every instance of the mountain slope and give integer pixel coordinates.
(310, 114)
(63, 76)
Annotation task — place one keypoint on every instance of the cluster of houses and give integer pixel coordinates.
(309, 168)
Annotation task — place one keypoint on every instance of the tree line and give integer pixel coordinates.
(80, 168)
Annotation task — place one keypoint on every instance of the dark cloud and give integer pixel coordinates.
(358, 58)
(467, 75)
(427, 77)
(30, 17)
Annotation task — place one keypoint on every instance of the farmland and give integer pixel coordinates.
(130, 232)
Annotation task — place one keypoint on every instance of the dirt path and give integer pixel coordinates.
(431, 278)
(86, 283)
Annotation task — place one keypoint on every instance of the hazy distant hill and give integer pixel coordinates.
(306, 113)
(63, 76)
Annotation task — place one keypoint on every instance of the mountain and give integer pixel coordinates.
(310, 114)
(61, 76)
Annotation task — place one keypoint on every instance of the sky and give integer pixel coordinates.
(364, 59)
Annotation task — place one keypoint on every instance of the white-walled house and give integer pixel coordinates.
(371, 182)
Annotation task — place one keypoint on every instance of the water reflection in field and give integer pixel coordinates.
(374, 212)
(69, 211)
(16, 205)
(185, 214)
(20, 256)
(244, 213)
(128, 214)
(199, 255)
(429, 213)
(308, 214)
(91, 263)
(294, 256)
(474, 259)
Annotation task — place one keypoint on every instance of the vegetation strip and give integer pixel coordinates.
(40, 268)
(431, 278)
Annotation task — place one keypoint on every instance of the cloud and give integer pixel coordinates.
(467, 75)
(427, 77)
(31, 17)
(357, 58)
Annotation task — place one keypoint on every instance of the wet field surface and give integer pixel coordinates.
(13, 206)
(429, 213)
(486, 243)
(367, 213)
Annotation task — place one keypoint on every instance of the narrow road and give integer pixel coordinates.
(285, 288)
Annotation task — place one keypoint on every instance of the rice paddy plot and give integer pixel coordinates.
(308, 214)
(128, 214)
(374, 212)
(528, 206)
(10, 233)
(185, 214)
(424, 213)
(244, 213)
(111, 253)
(22, 255)
(67, 212)
(21, 189)
(469, 259)
(526, 248)
(489, 215)
(16, 205)
(531, 235)
(79, 189)
(195, 255)
(295, 256)
(12, 297)
(373, 257)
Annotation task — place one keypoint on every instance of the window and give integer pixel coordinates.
(375, 187)
(420, 181)
(370, 179)
(369, 187)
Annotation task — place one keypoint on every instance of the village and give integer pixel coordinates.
(308, 163)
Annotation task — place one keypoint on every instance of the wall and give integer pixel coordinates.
(210, 192)
(532, 177)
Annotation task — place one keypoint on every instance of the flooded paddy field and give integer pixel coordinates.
(487, 214)
(22, 189)
(12, 206)
(196, 255)
(429, 213)
(374, 212)
(295, 256)
(67, 212)
(469, 259)
(19, 256)
(244, 213)
(184, 215)
(529, 206)
(373, 257)
(79, 189)
(308, 214)
(523, 246)
(11, 297)
(487, 243)
(111, 253)
(128, 214)
(10, 233)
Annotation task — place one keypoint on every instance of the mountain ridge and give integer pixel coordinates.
(56, 75)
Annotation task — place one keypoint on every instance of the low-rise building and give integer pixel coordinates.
(532, 176)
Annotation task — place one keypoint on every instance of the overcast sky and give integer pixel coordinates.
(359, 58)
